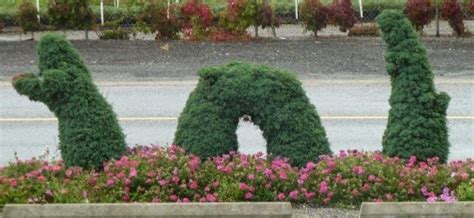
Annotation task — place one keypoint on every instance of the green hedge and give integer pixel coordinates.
(417, 117)
(89, 133)
(275, 101)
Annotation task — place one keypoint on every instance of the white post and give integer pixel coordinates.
(102, 12)
(168, 10)
(296, 9)
(118, 3)
(38, 9)
(361, 10)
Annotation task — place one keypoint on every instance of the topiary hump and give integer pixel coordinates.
(89, 133)
(417, 117)
(275, 101)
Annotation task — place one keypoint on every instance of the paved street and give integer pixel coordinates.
(353, 113)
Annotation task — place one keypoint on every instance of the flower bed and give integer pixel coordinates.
(158, 174)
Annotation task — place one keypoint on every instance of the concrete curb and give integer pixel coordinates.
(163, 210)
(416, 209)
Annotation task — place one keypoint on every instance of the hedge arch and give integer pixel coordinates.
(275, 101)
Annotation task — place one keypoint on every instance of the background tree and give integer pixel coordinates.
(71, 14)
(27, 17)
(419, 12)
(417, 117)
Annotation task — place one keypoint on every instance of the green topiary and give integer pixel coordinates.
(89, 132)
(417, 118)
(275, 101)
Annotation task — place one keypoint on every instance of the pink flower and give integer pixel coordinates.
(185, 200)
(251, 189)
(133, 172)
(162, 182)
(193, 185)
(125, 197)
(323, 187)
(194, 162)
(243, 186)
(281, 197)
(359, 170)
(56, 168)
(110, 182)
(211, 198)
(248, 196)
(121, 175)
(215, 184)
(294, 194)
(366, 187)
(283, 175)
(251, 177)
(355, 193)
(432, 199)
(69, 173)
(173, 198)
(268, 173)
(41, 178)
(309, 195)
(13, 183)
(371, 178)
(310, 165)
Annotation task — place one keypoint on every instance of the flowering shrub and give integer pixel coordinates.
(198, 18)
(27, 17)
(453, 13)
(315, 15)
(419, 12)
(343, 14)
(239, 15)
(158, 174)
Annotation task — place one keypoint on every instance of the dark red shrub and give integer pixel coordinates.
(453, 13)
(419, 12)
(165, 22)
(315, 15)
(197, 18)
(343, 14)
(266, 17)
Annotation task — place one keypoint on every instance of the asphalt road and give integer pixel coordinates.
(353, 113)
(341, 57)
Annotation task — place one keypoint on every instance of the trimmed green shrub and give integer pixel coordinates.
(27, 17)
(89, 132)
(275, 101)
(417, 118)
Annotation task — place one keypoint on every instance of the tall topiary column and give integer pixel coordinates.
(275, 101)
(89, 133)
(417, 118)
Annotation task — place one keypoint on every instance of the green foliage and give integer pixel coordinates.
(465, 191)
(71, 14)
(113, 30)
(27, 17)
(239, 15)
(417, 118)
(89, 132)
(275, 101)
